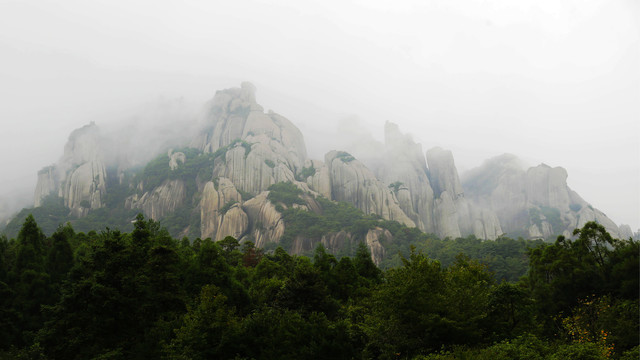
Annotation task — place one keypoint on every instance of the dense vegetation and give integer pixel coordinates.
(505, 257)
(146, 295)
(197, 167)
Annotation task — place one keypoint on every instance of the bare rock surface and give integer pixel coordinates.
(352, 182)
(537, 199)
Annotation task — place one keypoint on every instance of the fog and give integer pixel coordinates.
(549, 81)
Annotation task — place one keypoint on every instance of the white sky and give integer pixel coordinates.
(553, 81)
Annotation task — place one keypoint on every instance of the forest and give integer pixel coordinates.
(144, 294)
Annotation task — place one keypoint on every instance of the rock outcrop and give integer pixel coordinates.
(253, 165)
(48, 183)
(161, 201)
(175, 159)
(336, 242)
(625, 231)
(317, 177)
(536, 203)
(352, 182)
(260, 148)
(372, 240)
(221, 213)
(405, 170)
(266, 224)
(455, 215)
(243, 150)
(79, 177)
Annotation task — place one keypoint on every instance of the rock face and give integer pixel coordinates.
(352, 182)
(221, 213)
(262, 148)
(243, 151)
(625, 231)
(455, 216)
(373, 243)
(266, 224)
(537, 200)
(334, 243)
(320, 179)
(175, 159)
(253, 165)
(405, 169)
(161, 201)
(47, 184)
(80, 175)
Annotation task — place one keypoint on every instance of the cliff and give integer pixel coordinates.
(535, 203)
(79, 177)
(218, 184)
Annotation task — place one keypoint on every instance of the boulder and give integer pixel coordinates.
(520, 198)
(352, 182)
(320, 181)
(161, 201)
(372, 240)
(79, 177)
(259, 149)
(266, 224)
(404, 169)
(221, 214)
(47, 184)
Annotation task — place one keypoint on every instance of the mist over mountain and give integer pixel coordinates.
(231, 168)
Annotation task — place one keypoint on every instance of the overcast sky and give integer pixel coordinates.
(553, 81)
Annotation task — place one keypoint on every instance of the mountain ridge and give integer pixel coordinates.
(218, 184)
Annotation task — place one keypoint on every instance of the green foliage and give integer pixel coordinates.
(227, 206)
(344, 156)
(243, 143)
(197, 165)
(335, 216)
(575, 207)
(270, 163)
(423, 306)
(505, 257)
(395, 186)
(209, 330)
(305, 173)
(286, 193)
(563, 273)
(526, 347)
(145, 295)
(245, 195)
(156, 172)
(550, 215)
(60, 256)
(49, 215)
(553, 217)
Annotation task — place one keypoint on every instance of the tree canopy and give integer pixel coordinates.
(144, 294)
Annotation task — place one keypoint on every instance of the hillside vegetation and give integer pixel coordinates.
(145, 295)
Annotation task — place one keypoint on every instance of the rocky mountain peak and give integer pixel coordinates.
(444, 175)
(82, 146)
(80, 175)
(219, 183)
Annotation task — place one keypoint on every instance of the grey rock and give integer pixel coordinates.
(161, 201)
(520, 198)
(266, 224)
(352, 182)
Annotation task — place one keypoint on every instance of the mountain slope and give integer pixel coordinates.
(225, 179)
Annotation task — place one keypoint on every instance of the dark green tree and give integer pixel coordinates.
(209, 330)
(365, 266)
(60, 257)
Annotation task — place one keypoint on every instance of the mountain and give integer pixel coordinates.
(245, 173)
(534, 202)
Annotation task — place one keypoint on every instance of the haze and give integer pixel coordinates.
(550, 81)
